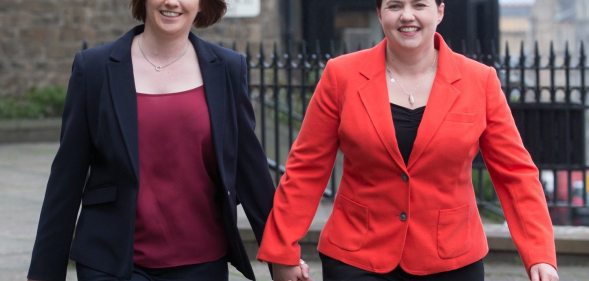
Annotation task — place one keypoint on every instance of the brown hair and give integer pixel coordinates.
(379, 3)
(211, 11)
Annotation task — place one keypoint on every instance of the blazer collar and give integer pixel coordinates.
(374, 96)
(123, 92)
(441, 98)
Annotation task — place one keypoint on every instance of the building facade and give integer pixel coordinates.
(39, 38)
(560, 21)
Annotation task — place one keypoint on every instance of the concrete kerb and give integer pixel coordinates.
(572, 243)
(36, 130)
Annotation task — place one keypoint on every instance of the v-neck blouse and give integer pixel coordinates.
(406, 122)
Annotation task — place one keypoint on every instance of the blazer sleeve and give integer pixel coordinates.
(254, 185)
(516, 180)
(64, 188)
(308, 168)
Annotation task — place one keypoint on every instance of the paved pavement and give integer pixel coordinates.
(23, 174)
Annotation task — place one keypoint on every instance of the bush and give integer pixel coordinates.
(35, 104)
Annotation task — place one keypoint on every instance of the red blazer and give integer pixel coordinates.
(422, 216)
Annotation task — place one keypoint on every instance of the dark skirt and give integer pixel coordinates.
(334, 270)
(209, 271)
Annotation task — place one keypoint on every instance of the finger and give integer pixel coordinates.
(547, 275)
(305, 269)
(534, 276)
(544, 276)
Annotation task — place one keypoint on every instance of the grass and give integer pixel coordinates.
(36, 103)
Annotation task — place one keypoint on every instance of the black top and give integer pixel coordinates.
(406, 123)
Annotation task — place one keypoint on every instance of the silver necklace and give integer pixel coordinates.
(410, 96)
(159, 68)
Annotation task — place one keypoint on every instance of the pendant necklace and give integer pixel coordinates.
(410, 96)
(159, 68)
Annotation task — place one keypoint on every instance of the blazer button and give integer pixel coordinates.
(404, 177)
(403, 216)
(228, 193)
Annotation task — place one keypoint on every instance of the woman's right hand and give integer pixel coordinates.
(291, 272)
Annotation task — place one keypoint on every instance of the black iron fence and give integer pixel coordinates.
(547, 95)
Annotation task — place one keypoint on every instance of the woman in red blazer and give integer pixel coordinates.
(409, 116)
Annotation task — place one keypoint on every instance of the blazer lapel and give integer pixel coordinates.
(214, 77)
(376, 101)
(123, 93)
(441, 99)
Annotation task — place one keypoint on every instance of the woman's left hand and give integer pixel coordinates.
(543, 272)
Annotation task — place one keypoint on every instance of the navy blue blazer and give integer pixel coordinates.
(97, 162)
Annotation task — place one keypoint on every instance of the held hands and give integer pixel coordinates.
(291, 272)
(543, 272)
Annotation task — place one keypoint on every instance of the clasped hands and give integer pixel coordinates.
(291, 272)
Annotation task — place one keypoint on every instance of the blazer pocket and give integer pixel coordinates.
(454, 232)
(461, 117)
(348, 224)
(99, 195)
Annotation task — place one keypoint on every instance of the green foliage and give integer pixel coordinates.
(483, 185)
(35, 104)
(489, 206)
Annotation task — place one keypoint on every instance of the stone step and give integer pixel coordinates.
(572, 242)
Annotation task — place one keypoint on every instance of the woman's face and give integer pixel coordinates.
(171, 16)
(410, 24)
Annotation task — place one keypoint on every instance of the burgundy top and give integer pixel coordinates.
(178, 220)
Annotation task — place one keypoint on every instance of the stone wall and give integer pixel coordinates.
(38, 38)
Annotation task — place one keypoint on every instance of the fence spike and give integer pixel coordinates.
(463, 45)
(507, 55)
(537, 60)
(275, 58)
(582, 57)
(248, 54)
(261, 55)
(551, 55)
(536, 54)
(567, 54)
(522, 54)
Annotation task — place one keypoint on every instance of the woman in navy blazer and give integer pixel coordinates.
(114, 96)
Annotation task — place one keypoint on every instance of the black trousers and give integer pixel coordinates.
(334, 270)
(209, 271)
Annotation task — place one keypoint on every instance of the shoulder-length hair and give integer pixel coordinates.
(211, 11)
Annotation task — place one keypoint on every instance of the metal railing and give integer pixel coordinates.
(547, 96)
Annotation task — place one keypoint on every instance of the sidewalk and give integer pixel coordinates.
(23, 174)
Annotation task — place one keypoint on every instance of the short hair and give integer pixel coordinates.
(379, 3)
(211, 11)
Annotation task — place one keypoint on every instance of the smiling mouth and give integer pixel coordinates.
(408, 29)
(169, 13)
